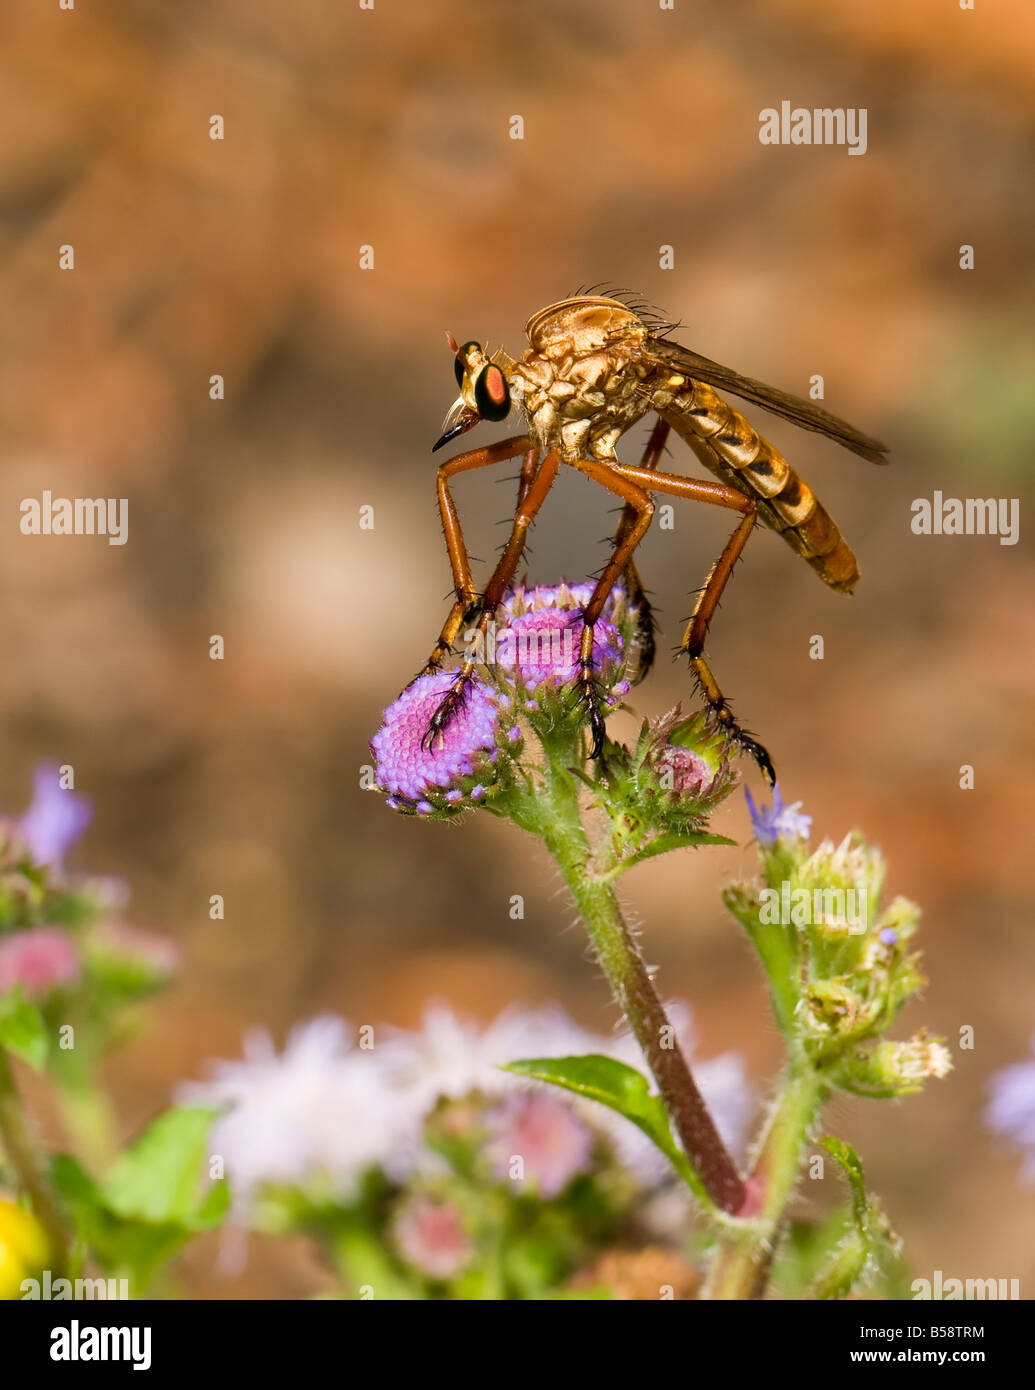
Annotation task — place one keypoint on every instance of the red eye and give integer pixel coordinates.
(492, 394)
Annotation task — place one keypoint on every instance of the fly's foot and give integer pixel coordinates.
(724, 717)
(587, 697)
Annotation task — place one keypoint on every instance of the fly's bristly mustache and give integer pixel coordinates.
(459, 419)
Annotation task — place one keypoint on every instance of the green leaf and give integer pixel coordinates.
(121, 1243)
(870, 1248)
(22, 1030)
(622, 1089)
(851, 1166)
(74, 1183)
(158, 1177)
(808, 1248)
(215, 1206)
(662, 844)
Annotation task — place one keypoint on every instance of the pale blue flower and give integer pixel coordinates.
(56, 818)
(779, 821)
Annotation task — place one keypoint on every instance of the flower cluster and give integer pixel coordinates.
(63, 944)
(531, 661)
(847, 968)
(538, 642)
(322, 1113)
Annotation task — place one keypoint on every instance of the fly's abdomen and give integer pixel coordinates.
(727, 445)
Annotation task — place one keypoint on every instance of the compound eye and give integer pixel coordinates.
(492, 394)
(463, 358)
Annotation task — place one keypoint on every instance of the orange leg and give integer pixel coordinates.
(694, 638)
(463, 584)
(717, 494)
(534, 497)
(640, 508)
(528, 467)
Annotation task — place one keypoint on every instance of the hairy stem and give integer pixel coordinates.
(558, 821)
(28, 1169)
(742, 1261)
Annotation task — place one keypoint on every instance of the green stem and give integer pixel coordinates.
(741, 1265)
(89, 1119)
(29, 1169)
(557, 819)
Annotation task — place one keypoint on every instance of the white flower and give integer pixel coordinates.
(316, 1111)
(323, 1111)
(452, 1056)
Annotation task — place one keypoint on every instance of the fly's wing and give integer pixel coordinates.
(800, 412)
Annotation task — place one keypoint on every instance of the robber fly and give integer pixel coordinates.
(594, 367)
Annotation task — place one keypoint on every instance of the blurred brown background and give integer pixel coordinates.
(390, 128)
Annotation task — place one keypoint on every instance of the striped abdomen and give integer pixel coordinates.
(726, 444)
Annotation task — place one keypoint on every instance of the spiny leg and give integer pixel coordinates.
(697, 631)
(527, 475)
(463, 585)
(694, 638)
(639, 505)
(494, 591)
(634, 585)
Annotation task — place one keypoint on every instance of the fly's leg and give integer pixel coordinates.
(641, 509)
(527, 475)
(466, 602)
(633, 584)
(533, 499)
(697, 630)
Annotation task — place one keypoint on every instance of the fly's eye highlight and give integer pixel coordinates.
(492, 394)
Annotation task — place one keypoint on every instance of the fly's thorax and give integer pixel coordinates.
(581, 326)
(581, 404)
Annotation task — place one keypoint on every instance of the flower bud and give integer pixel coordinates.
(887, 1068)
(681, 771)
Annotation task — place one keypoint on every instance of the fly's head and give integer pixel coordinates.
(484, 391)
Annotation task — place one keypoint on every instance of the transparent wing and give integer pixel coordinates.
(800, 412)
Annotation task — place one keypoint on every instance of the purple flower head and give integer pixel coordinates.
(56, 818)
(458, 768)
(539, 639)
(1011, 1110)
(778, 822)
(888, 936)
